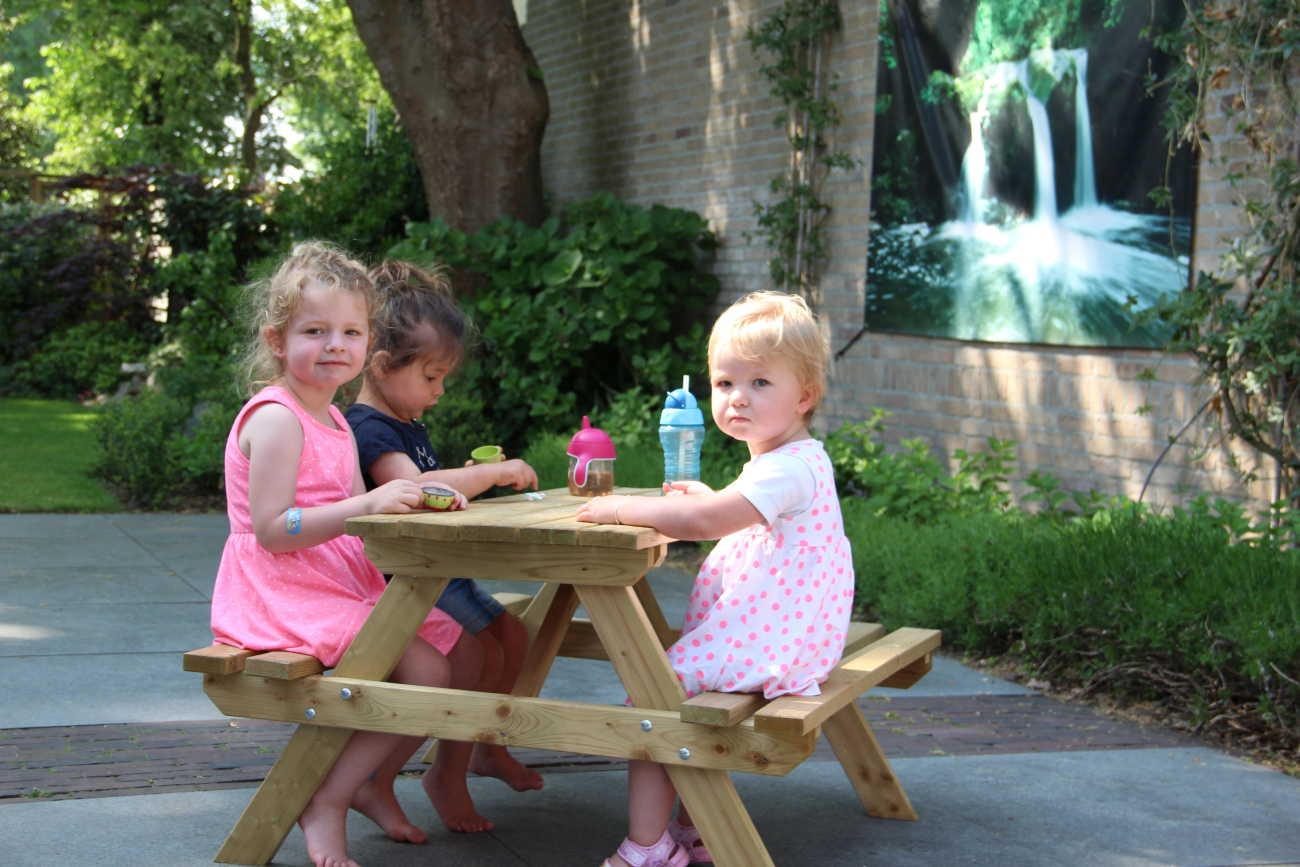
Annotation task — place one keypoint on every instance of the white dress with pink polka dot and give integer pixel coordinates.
(771, 604)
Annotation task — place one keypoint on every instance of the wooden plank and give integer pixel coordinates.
(906, 677)
(721, 708)
(667, 633)
(614, 731)
(853, 676)
(729, 708)
(637, 656)
(860, 635)
(855, 745)
(537, 610)
(282, 665)
(277, 803)
(552, 625)
(313, 750)
(633, 648)
(216, 659)
(513, 603)
(720, 817)
(550, 521)
(514, 561)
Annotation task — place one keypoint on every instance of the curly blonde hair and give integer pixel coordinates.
(273, 301)
(766, 324)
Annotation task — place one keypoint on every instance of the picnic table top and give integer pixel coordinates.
(519, 518)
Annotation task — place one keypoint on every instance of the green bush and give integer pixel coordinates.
(133, 437)
(911, 483)
(165, 446)
(82, 359)
(58, 270)
(606, 297)
(1127, 598)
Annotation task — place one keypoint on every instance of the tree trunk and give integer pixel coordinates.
(470, 96)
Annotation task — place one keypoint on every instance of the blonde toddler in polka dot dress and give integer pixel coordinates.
(771, 604)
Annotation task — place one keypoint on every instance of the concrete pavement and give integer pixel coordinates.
(95, 611)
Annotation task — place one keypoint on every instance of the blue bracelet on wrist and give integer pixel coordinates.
(293, 521)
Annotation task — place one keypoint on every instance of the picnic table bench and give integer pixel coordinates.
(699, 740)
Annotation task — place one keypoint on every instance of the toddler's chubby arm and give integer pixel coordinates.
(470, 481)
(272, 439)
(689, 511)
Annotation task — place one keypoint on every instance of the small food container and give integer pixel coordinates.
(591, 462)
(438, 498)
(487, 455)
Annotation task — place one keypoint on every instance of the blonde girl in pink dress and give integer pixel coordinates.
(290, 579)
(770, 608)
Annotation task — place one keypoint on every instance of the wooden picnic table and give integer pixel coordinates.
(602, 567)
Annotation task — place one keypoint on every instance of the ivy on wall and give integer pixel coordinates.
(1241, 60)
(794, 41)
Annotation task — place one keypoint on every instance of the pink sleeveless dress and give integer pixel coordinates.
(313, 600)
(770, 608)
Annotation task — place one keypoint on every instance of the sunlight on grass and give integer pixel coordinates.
(47, 448)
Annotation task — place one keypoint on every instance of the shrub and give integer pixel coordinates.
(911, 483)
(82, 359)
(1151, 606)
(606, 297)
(57, 271)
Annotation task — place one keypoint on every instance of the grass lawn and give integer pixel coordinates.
(46, 450)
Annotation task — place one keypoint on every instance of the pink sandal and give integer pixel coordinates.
(689, 839)
(664, 853)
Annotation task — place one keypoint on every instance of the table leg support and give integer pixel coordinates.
(632, 643)
(855, 745)
(720, 816)
(279, 801)
(546, 633)
(313, 750)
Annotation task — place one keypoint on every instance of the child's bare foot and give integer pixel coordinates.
(325, 828)
(379, 805)
(493, 760)
(450, 797)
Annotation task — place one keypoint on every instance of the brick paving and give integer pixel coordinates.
(59, 762)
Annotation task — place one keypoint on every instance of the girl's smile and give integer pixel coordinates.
(324, 344)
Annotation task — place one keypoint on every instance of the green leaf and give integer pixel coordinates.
(562, 267)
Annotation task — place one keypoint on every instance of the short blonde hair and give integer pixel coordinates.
(273, 301)
(763, 324)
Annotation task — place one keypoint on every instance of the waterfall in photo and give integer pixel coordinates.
(1085, 181)
(1067, 269)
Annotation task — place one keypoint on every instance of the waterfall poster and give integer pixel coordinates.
(1019, 149)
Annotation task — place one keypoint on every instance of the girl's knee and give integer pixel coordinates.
(511, 634)
(423, 665)
(493, 661)
(466, 660)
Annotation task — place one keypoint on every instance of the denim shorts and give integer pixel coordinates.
(469, 605)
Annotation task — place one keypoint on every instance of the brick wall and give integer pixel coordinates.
(662, 101)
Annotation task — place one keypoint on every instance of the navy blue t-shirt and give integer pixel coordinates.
(378, 434)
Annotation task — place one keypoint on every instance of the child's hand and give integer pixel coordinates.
(690, 487)
(397, 497)
(601, 510)
(462, 501)
(517, 474)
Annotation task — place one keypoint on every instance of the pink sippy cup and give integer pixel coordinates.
(591, 462)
